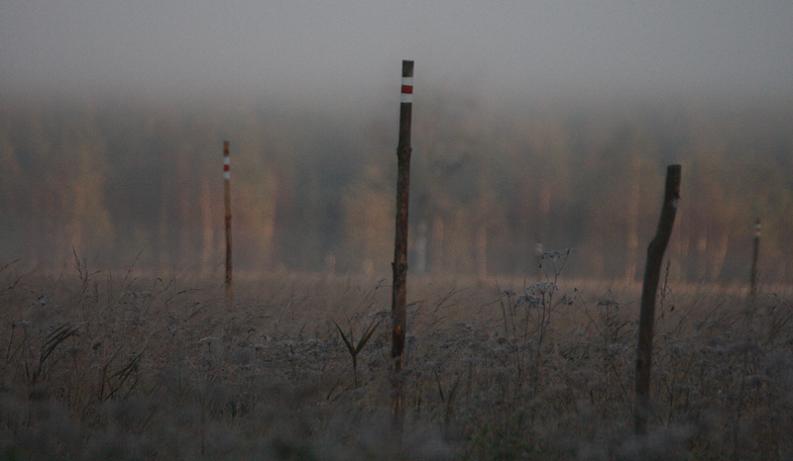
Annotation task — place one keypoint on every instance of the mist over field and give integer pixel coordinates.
(527, 318)
(535, 123)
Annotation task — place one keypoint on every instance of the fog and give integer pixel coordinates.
(350, 49)
(534, 123)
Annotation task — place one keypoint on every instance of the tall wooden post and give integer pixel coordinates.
(652, 273)
(755, 257)
(400, 264)
(227, 205)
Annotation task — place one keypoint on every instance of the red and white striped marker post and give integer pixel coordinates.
(400, 264)
(227, 204)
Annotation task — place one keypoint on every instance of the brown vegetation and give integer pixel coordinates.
(110, 366)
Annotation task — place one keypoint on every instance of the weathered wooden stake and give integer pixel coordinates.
(227, 205)
(755, 257)
(652, 273)
(400, 264)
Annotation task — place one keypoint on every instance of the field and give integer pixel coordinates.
(121, 366)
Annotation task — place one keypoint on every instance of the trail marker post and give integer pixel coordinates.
(755, 256)
(227, 206)
(652, 273)
(400, 264)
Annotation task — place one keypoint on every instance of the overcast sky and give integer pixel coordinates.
(353, 48)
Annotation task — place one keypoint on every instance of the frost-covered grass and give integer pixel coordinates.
(104, 367)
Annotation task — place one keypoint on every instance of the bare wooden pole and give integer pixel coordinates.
(400, 264)
(755, 257)
(652, 273)
(227, 205)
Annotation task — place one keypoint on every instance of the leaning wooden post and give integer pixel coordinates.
(652, 273)
(755, 257)
(400, 264)
(227, 205)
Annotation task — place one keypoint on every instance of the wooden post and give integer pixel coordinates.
(400, 264)
(652, 273)
(755, 257)
(422, 242)
(227, 205)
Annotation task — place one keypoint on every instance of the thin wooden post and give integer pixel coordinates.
(227, 205)
(652, 273)
(400, 264)
(755, 257)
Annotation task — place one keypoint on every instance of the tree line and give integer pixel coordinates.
(492, 183)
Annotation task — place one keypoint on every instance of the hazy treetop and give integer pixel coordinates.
(351, 49)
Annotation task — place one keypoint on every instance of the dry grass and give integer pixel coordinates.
(103, 367)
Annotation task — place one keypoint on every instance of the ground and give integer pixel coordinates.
(98, 365)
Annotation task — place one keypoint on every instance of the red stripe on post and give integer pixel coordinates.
(225, 167)
(407, 89)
